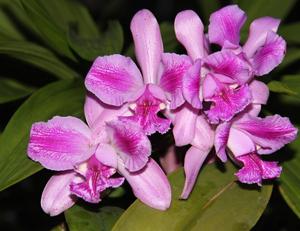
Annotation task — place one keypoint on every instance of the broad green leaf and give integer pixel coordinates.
(37, 56)
(60, 98)
(110, 42)
(11, 89)
(292, 56)
(207, 7)
(280, 87)
(290, 32)
(51, 33)
(217, 202)
(79, 218)
(168, 37)
(290, 179)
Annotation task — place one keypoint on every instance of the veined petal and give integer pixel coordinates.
(184, 125)
(221, 139)
(130, 143)
(225, 24)
(113, 79)
(148, 43)
(259, 29)
(189, 31)
(174, 67)
(259, 91)
(227, 63)
(150, 185)
(193, 161)
(269, 55)
(56, 196)
(255, 169)
(270, 133)
(60, 143)
(191, 85)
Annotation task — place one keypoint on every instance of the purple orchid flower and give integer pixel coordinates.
(86, 158)
(117, 81)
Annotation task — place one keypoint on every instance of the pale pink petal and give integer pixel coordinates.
(259, 92)
(60, 143)
(189, 32)
(221, 139)
(227, 103)
(131, 144)
(107, 155)
(191, 85)
(269, 55)
(225, 25)
(259, 29)
(240, 143)
(270, 133)
(113, 79)
(56, 196)
(169, 161)
(184, 125)
(92, 108)
(148, 43)
(174, 67)
(255, 169)
(193, 161)
(150, 185)
(209, 86)
(227, 63)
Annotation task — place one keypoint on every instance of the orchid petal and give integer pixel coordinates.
(259, 29)
(60, 143)
(193, 161)
(225, 25)
(150, 185)
(191, 85)
(259, 92)
(148, 43)
(92, 108)
(131, 144)
(204, 134)
(270, 55)
(270, 133)
(189, 31)
(174, 67)
(56, 196)
(113, 79)
(221, 139)
(107, 155)
(169, 161)
(184, 125)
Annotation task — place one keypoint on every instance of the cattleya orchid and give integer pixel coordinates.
(87, 157)
(116, 80)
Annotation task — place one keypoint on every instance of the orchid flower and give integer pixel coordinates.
(117, 81)
(87, 156)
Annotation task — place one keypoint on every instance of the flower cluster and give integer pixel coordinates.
(212, 99)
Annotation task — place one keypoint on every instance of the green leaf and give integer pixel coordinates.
(207, 7)
(290, 32)
(280, 87)
(79, 218)
(292, 56)
(168, 37)
(290, 179)
(60, 98)
(216, 201)
(11, 89)
(110, 42)
(37, 56)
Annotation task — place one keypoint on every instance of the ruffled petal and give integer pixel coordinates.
(191, 85)
(174, 67)
(255, 169)
(259, 92)
(259, 29)
(193, 161)
(189, 31)
(56, 196)
(227, 63)
(150, 185)
(113, 79)
(221, 139)
(270, 55)
(225, 25)
(131, 144)
(60, 143)
(270, 133)
(148, 44)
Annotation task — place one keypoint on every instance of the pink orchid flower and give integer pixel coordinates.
(86, 158)
(117, 81)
